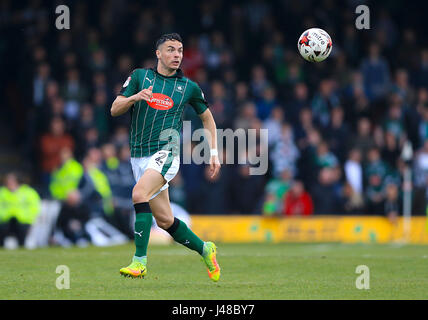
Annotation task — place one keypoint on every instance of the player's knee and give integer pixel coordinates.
(164, 222)
(140, 195)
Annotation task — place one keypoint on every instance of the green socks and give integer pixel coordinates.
(143, 224)
(182, 234)
(178, 230)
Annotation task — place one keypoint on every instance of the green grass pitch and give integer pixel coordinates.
(249, 271)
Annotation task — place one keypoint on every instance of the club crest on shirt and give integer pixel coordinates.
(127, 82)
(180, 88)
(161, 101)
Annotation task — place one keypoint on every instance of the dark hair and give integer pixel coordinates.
(168, 36)
(15, 174)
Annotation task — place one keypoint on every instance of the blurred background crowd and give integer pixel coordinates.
(336, 128)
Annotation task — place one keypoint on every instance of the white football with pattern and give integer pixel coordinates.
(315, 45)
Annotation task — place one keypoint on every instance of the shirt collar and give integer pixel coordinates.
(177, 74)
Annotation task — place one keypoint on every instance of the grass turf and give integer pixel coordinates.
(249, 271)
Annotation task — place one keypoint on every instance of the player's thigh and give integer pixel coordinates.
(161, 210)
(149, 183)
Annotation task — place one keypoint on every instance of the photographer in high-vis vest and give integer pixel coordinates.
(19, 207)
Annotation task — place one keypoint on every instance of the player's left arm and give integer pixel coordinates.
(209, 125)
(200, 105)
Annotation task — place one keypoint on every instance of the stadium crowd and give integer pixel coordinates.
(336, 128)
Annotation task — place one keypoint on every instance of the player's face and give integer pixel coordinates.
(170, 54)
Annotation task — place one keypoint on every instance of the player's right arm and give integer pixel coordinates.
(129, 95)
(121, 104)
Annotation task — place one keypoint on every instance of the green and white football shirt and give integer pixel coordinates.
(164, 113)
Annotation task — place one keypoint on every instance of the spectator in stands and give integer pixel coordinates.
(94, 185)
(83, 214)
(285, 153)
(110, 165)
(353, 191)
(422, 112)
(402, 87)
(66, 178)
(303, 127)
(392, 205)
(421, 166)
(266, 103)
(355, 97)
(241, 95)
(52, 143)
(74, 94)
(298, 103)
(324, 158)
(422, 74)
(273, 124)
(119, 174)
(50, 147)
(337, 133)
(121, 137)
(353, 202)
(392, 149)
(216, 191)
(363, 140)
(247, 191)
(247, 114)
(40, 81)
(393, 123)
(354, 171)
(325, 193)
(86, 120)
(98, 61)
(220, 105)
(92, 139)
(101, 116)
(193, 175)
(275, 192)
(375, 70)
(258, 81)
(193, 59)
(298, 201)
(323, 102)
(19, 207)
(375, 172)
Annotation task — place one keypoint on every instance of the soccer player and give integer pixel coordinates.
(156, 98)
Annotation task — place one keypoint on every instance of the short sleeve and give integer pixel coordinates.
(197, 100)
(130, 87)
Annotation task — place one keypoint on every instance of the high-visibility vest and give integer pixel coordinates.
(66, 179)
(112, 163)
(24, 204)
(7, 201)
(103, 188)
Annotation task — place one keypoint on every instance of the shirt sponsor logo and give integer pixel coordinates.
(161, 101)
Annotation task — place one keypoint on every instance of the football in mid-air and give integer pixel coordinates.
(314, 45)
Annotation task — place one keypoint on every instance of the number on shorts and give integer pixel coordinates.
(159, 159)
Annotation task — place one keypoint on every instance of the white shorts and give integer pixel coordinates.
(162, 161)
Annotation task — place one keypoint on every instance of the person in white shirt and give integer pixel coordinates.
(354, 171)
